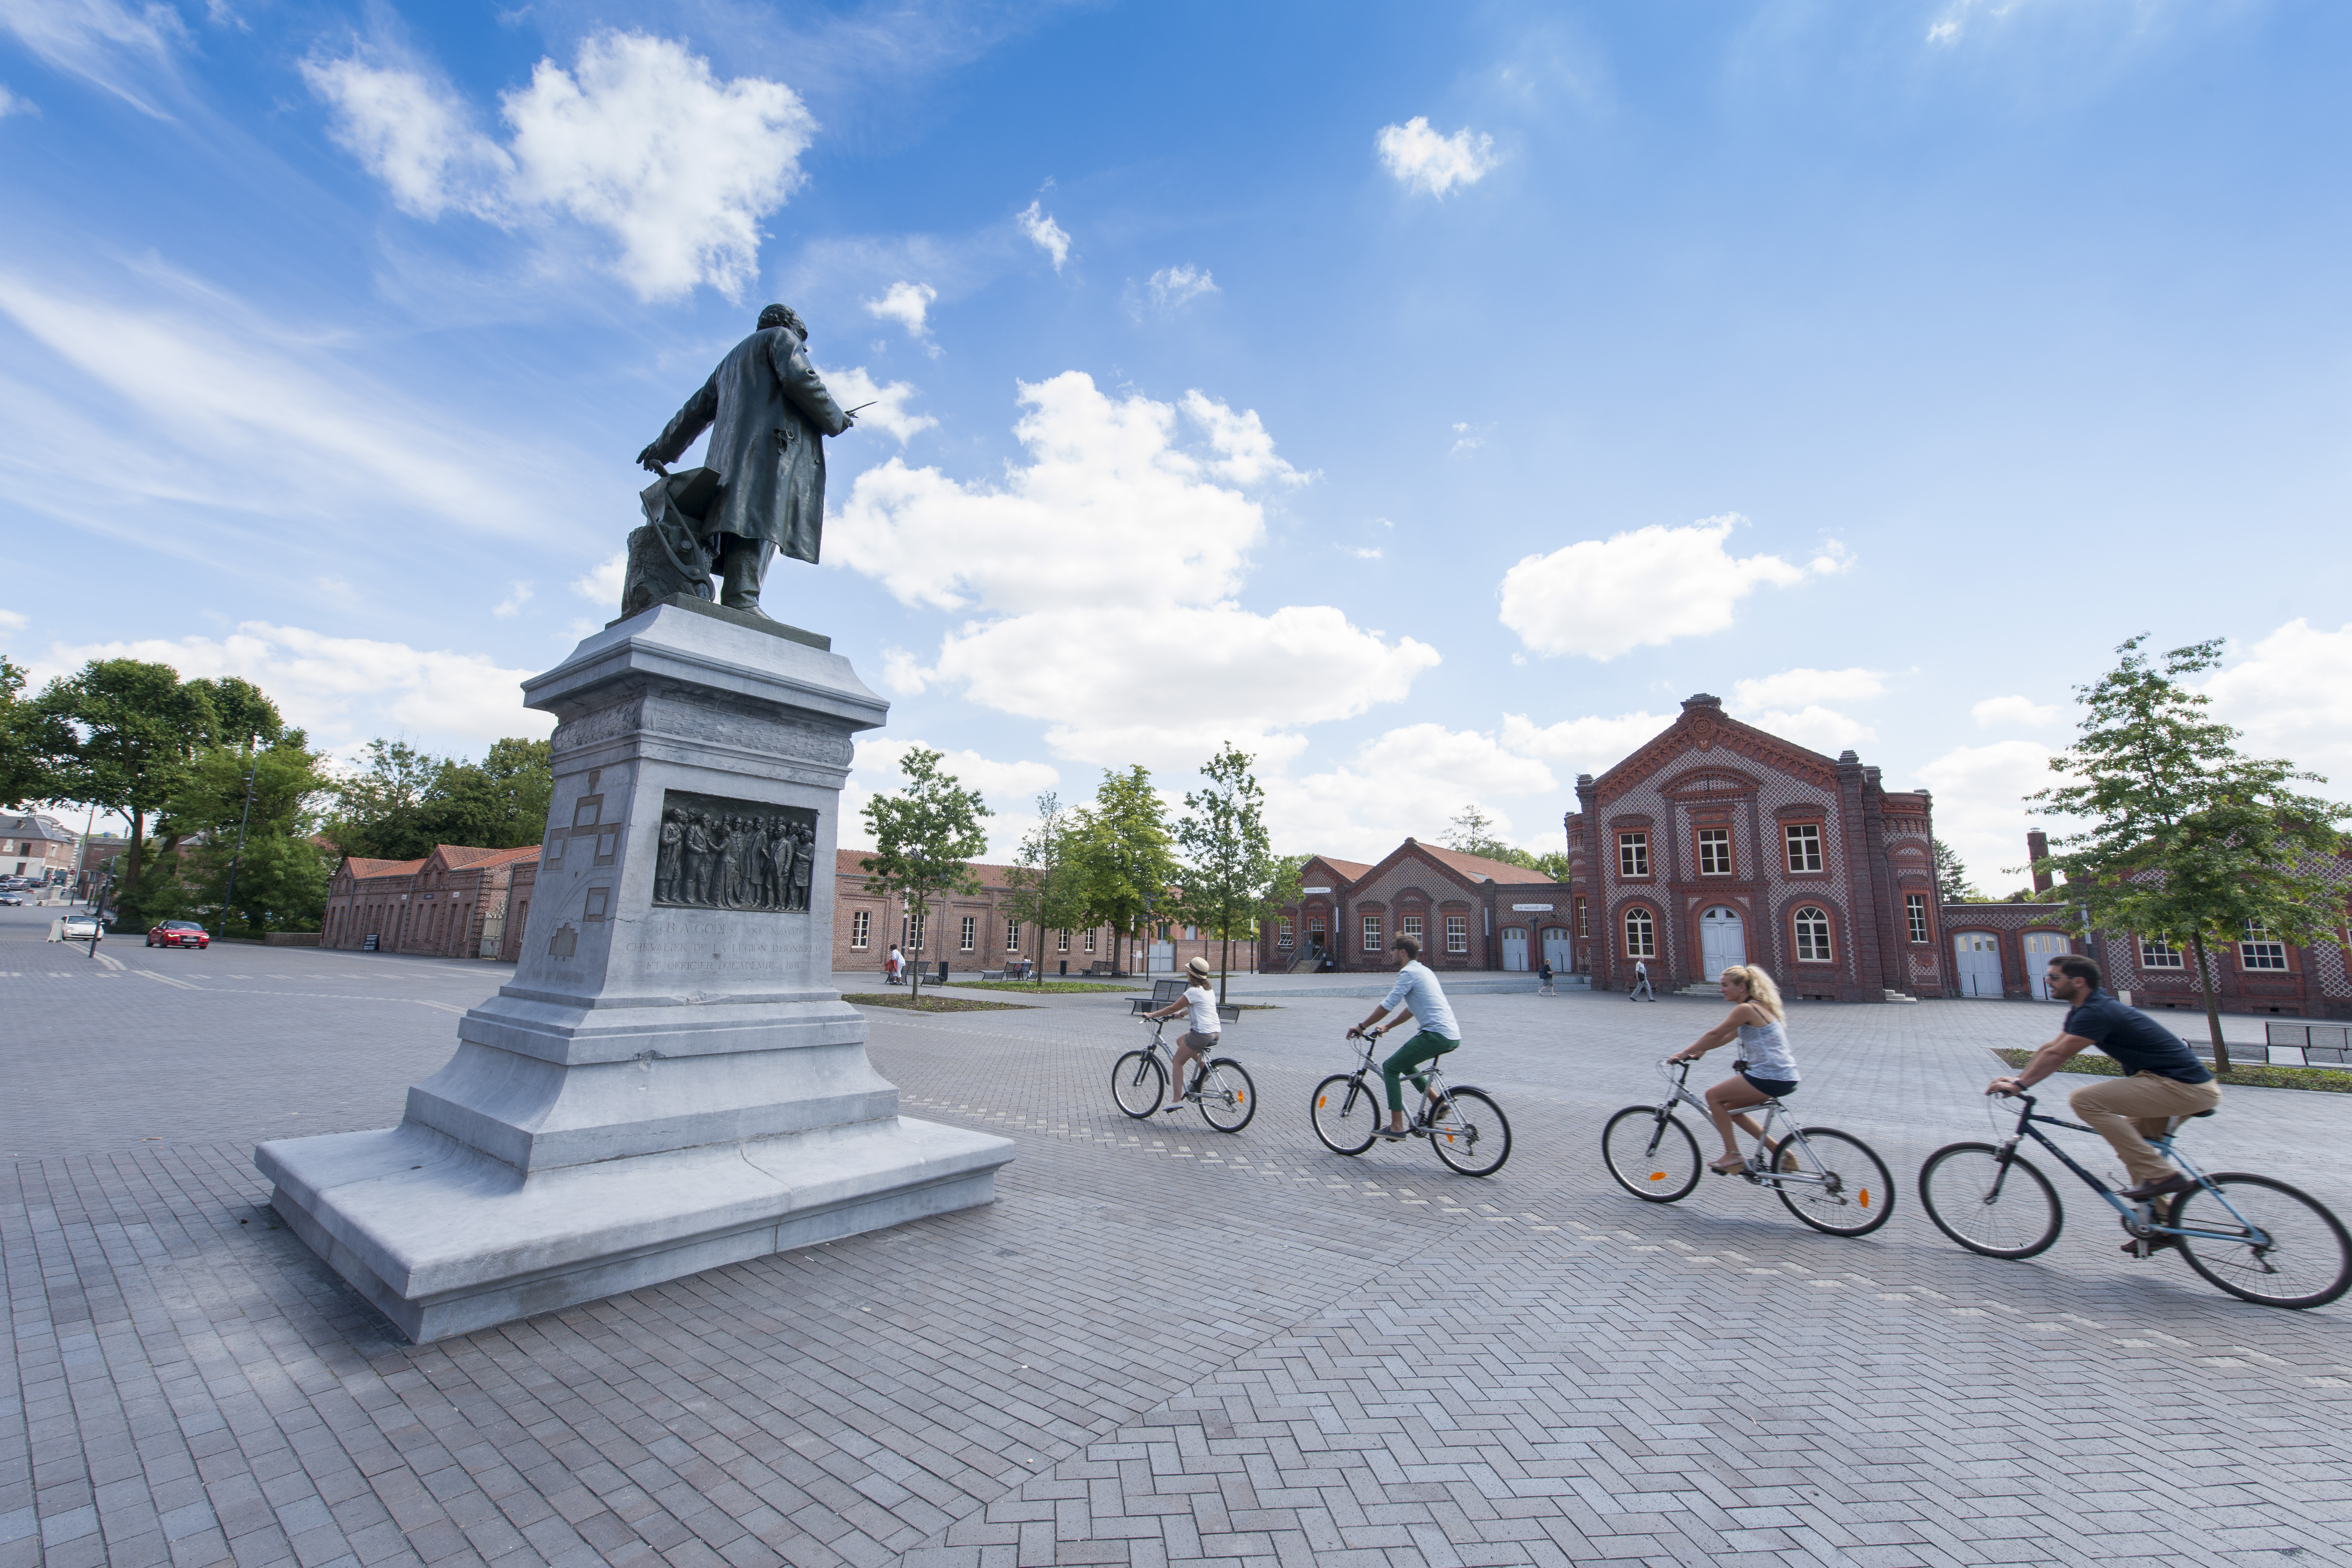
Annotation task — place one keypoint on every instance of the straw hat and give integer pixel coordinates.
(1198, 968)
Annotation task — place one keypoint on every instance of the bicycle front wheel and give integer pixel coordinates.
(1228, 1099)
(1653, 1156)
(1344, 1114)
(1469, 1133)
(1138, 1083)
(2002, 1208)
(1832, 1181)
(2304, 1260)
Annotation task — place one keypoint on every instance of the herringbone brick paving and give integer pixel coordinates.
(1161, 1345)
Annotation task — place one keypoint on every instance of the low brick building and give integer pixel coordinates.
(37, 847)
(972, 931)
(1468, 911)
(453, 903)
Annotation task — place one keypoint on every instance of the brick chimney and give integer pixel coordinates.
(2037, 847)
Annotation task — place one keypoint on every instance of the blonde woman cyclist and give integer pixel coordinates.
(1768, 1068)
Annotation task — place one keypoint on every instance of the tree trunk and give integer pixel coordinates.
(1225, 963)
(2213, 1004)
(914, 980)
(126, 886)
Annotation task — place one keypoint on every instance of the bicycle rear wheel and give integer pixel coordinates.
(1999, 1208)
(1652, 1155)
(1138, 1083)
(2309, 1260)
(1344, 1114)
(1854, 1196)
(1469, 1133)
(1228, 1099)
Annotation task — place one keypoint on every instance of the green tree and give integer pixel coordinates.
(2183, 838)
(1043, 887)
(924, 838)
(1552, 863)
(1472, 832)
(135, 727)
(1122, 847)
(407, 800)
(1952, 884)
(1230, 871)
(379, 813)
(281, 873)
(32, 739)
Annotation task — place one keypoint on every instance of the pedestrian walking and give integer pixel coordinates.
(1544, 974)
(1641, 992)
(894, 968)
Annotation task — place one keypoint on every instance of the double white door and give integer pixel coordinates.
(2041, 947)
(1515, 949)
(1722, 941)
(1976, 963)
(1554, 949)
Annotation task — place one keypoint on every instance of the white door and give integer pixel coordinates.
(1977, 956)
(1161, 959)
(1722, 941)
(1515, 949)
(2041, 947)
(1555, 945)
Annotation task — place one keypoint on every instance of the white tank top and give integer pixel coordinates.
(1766, 1048)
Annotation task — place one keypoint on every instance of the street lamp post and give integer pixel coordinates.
(229, 899)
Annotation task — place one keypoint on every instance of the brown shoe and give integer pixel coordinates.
(2162, 1188)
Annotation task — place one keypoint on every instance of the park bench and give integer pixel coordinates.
(1166, 991)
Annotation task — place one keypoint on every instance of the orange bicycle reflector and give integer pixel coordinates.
(1865, 1198)
(1321, 1101)
(1657, 1176)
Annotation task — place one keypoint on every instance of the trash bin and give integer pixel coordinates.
(943, 972)
(1066, 966)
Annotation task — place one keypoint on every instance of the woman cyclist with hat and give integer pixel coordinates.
(1200, 1029)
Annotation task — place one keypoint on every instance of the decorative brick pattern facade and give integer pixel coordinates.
(1469, 913)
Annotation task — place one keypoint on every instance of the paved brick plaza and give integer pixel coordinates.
(1159, 1344)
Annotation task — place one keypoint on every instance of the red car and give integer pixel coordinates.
(179, 933)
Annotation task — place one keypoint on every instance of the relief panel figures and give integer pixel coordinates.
(718, 854)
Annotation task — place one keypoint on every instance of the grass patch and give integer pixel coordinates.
(930, 1003)
(1062, 986)
(2326, 1080)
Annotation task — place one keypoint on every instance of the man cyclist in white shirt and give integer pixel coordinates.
(1416, 995)
(1200, 1029)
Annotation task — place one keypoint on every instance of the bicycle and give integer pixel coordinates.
(2259, 1239)
(1832, 1180)
(1223, 1089)
(1464, 1125)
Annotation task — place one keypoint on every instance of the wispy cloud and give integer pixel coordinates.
(1423, 161)
(1046, 233)
(1172, 288)
(131, 52)
(909, 305)
(517, 597)
(10, 103)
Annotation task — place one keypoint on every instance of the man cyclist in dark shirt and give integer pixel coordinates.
(2161, 1078)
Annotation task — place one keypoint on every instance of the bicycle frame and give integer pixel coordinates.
(1370, 1067)
(2138, 1218)
(1678, 1084)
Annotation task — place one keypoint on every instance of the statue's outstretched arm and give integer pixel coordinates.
(806, 388)
(685, 425)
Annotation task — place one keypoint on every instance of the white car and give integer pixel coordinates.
(81, 928)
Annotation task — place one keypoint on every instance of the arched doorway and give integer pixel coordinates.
(1722, 940)
(1556, 951)
(2041, 947)
(1515, 949)
(1976, 958)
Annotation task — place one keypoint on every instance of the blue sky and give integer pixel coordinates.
(1428, 400)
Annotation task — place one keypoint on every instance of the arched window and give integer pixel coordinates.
(1812, 935)
(1641, 934)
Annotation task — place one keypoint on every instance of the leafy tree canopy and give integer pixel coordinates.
(1124, 851)
(1230, 873)
(2182, 835)
(406, 801)
(1472, 832)
(32, 739)
(1046, 888)
(1952, 884)
(925, 836)
(281, 874)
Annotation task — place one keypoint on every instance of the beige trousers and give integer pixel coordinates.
(2128, 1112)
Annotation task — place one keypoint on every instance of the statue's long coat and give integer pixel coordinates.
(766, 410)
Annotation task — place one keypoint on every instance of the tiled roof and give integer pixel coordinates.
(497, 857)
(34, 828)
(1352, 869)
(364, 868)
(1478, 868)
(846, 863)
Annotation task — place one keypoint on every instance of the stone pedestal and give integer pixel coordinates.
(670, 1083)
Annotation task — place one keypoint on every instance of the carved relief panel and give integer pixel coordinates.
(720, 854)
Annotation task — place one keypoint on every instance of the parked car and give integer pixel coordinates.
(81, 928)
(179, 933)
(11, 899)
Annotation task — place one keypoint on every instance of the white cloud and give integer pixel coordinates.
(2014, 712)
(1360, 552)
(888, 413)
(639, 140)
(107, 43)
(344, 689)
(1823, 729)
(1422, 160)
(909, 305)
(1463, 441)
(1791, 687)
(10, 103)
(1411, 781)
(517, 597)
(1175, 287)
(1046, 233)
(10, 621)
(602, 583)
(1112, 512)
(1640, 589)
(1979, 807)
(2292, 695)
(1587, 745)
(1009, 789)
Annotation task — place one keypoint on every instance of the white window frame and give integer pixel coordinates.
(1639, 929)
(968, 934)
(1062, 941)
(861, 928)
(1012, 935)
(1408, 925)
(2260, 952)
(2158, 953)
(1457, 933)
(1817, 934)
(1372, 933)
(1716, 838)
(1284, 937)
(1915, 909)
(1803, 843)
(1090, 938)
(1632, 854)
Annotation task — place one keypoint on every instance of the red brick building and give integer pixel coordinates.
(973, 933)
(457, 902)
(37, 847)
(1469, 913)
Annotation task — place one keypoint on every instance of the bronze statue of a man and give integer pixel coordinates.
(768, 413)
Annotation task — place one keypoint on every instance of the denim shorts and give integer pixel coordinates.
(1778, 1088)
